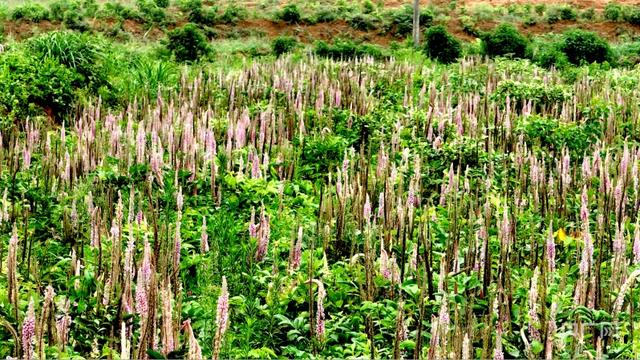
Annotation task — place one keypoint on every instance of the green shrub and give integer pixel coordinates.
(90, 8)
(82, 53)
(187, 43)
(74, 21)
(613, 12)
(290, 14)
(588, 14)
(325, 14)
(530, 21)
(283, 44)
(151, 13)
(197, 13)
(30, 12)
(568, 13)
(402, 20)
(368, 7)
(632, 15)
(585, 46)
(347, 49)
(119, 11)
(58, 9)
(363, 22)
(504, 40)
(442, 46)
(233, 13)
(549, 54)
(558, 13)
(162, 3)
(31, 86)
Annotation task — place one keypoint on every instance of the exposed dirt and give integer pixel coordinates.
(581, 4)
(328, 31)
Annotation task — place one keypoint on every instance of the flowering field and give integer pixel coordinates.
(303, 208)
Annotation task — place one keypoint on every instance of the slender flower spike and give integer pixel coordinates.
(320, 329)
(551, 250)
(28, 332)
(366, 211)
(204, 243)
(222, 318)
(195, 352)
(636, 244)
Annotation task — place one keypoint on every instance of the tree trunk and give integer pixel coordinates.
(416, 23)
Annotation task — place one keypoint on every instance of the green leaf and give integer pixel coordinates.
(155, 355)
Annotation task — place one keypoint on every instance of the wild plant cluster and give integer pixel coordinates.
(324, 208)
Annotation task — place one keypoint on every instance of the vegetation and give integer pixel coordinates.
(190, 180)
(187, 43)
(579, 46)
(504, 40)
(441, 45)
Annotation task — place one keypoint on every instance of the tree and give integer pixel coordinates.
(416, 23)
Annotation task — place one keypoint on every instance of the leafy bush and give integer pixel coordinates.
(402, 20)
(588, 14)
(347, 49)
(119, 11)
(59, 9)
(632, 15)
(441, 45)
(80, 52)
(568, 13)
(283, 44)
(363, 22)
(585, 46)
(233, 13)
(325, 14)
(613, 12)
(504, 40)
(30, 12)
(30, 86)
(290, 14)
(187, 43)
(162, 3)
(197, 13)
(549, 54)
(151, 13)
(74, 21)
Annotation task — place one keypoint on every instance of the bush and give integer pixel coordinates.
(290, 14)
(80, 52)
(197, 13)
(30, 86)
(117, 10)
(233, 13)
(162, 3)
(402, 20)
(74, 21)
(363, 22)
(613, 12)
(283, 44)
(632, 15)
(589, 14)
(325, 14)
(347, 49)
(151, 13)
(187, 43)
(585, 46)
(549, 55)
(59, 9)
(441, 45)
(504, 40)
(30, 12)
